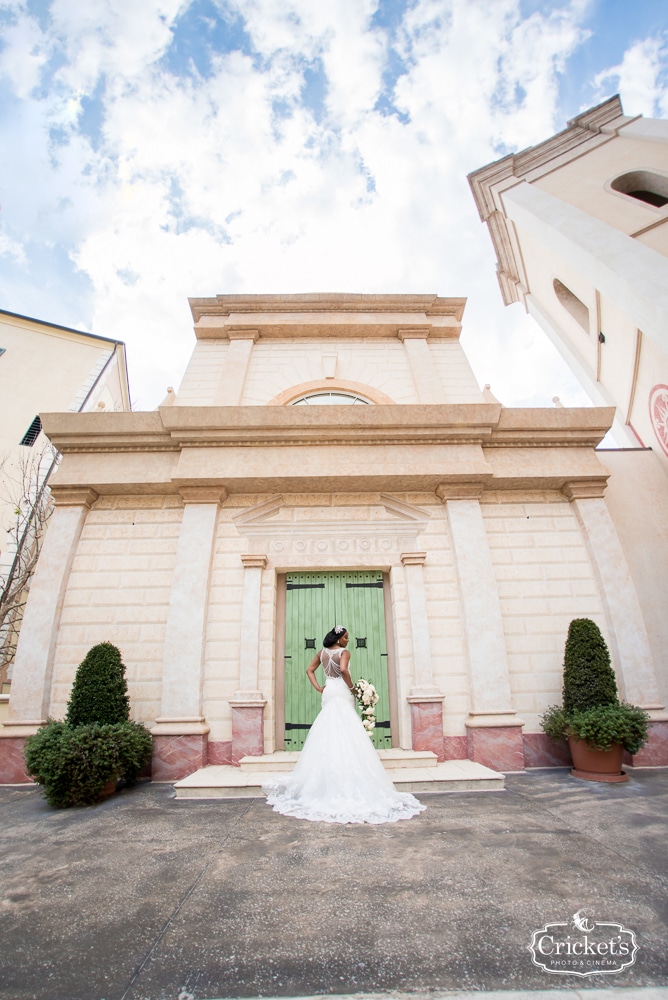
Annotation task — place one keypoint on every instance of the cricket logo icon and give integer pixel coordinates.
(583, 947)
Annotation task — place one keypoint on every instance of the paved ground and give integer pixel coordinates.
(146, 897)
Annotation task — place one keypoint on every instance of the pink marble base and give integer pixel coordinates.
(540, 751)
(455, 748)
(12, 763)
(219, 752)
(175, 757)
(655, 752)
(427, 727)
(498, 747)
(247, 732)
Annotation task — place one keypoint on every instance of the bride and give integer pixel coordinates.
(339, 777)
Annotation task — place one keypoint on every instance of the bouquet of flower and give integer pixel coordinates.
(367, 696)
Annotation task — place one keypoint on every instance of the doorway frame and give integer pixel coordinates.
(279, 650)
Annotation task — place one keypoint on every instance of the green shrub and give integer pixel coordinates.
(589, 679)
(100, 691)
(600, 727)
(603, 726)
(75, 763)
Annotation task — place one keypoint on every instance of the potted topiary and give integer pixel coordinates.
(596, 724)
(80, 760)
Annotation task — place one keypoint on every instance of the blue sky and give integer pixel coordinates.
(151, 151)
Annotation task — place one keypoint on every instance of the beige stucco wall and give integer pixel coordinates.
(545, 579)
(46, 368)
(585, 183)
(120, 584)
(637, 497)
(118, 591)
(277, 366)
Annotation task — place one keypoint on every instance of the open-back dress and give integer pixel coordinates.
(339, 777)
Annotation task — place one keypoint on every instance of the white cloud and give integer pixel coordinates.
(641, 78)
(196, 186)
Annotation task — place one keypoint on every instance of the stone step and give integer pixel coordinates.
(218, 781)
(285, 760)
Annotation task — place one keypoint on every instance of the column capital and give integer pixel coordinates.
(203, 494)
(74, 496)
(413, 333)
(459, 491)
(413, 558)
(587, 489)
(252, 561)
(253, 335)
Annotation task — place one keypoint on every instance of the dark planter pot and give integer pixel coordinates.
(109, 788)
(596, 765)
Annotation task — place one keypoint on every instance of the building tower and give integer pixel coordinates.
(579, 224)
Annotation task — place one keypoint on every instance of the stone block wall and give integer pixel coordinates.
(118, 591)
(545, 579)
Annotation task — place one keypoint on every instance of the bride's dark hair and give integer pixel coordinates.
(333, 637)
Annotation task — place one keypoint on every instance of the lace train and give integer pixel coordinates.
(339, 777)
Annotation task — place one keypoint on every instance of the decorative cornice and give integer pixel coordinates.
(251, 561)
(413, 558)
(461, 491)
(203, 494)
(587, 489)
(227, 305)
(413, 333)
(73, 496)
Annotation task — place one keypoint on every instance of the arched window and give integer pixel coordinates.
(572, 303)
(643, 185)
(329, 399)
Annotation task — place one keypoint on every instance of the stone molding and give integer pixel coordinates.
(461, 491)
(494, 720)
(413, 558)
(251, 561)
(203, 494)
(233, 334)
(331, 384)
(74, 496)
(180, 726)
(586, 490)
(414, 333)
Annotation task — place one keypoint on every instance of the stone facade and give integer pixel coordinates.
(174, 530)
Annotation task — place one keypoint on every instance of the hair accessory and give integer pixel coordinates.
(338, 629)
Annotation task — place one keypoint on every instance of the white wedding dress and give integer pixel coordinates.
(339, 777)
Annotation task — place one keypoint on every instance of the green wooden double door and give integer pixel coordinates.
(315, 602)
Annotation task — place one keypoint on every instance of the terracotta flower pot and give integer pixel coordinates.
(109, 788)
(596, 765)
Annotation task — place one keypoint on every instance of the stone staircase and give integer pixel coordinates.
(411, 771)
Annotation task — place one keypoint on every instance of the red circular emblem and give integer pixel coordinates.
(658, 413)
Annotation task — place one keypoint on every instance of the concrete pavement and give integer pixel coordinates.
(146, 897)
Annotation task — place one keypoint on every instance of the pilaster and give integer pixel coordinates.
(33, 668)
(428, 385)
(248, 702)
(180, 734)
(425, 699)
(229, 390)
(494, 733)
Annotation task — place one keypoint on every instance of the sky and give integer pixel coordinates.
(152, 150)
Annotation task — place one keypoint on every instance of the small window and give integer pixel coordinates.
(32, 433)
(643, 185)
(572, 304)
(329, 399)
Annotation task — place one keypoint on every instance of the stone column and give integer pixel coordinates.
(233, 376)
(180, 734)
(494, 733)
(629, 644)
(425, 699)
(428, 385)
(33, 667)
(248, 702)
